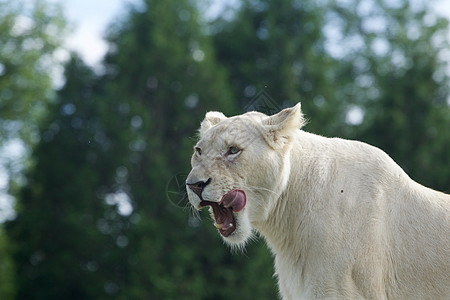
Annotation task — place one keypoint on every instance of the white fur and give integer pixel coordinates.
(342, 219)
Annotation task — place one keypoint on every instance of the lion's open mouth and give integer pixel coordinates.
(233, 201)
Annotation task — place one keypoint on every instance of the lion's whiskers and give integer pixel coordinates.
(257, 188)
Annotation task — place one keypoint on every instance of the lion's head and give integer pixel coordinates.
(240, 167)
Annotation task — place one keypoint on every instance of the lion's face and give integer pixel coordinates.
(240, 167)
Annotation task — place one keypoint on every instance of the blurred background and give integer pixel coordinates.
(94, 148)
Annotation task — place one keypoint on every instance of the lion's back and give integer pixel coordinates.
(389, 224)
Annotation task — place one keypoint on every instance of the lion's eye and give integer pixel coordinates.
(233, 150)
(198, 150)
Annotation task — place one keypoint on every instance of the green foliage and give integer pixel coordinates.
(285, 55)
(28, 39)
(174, 82)
(64, 234)
(401, 82)
(94, 219)
(7, 272)
(127, 133)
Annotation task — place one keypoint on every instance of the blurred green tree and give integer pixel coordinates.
(29, 37)
(398, 81)
(119, 139)
(162, 74)
(7, 272)
(279, 47)
(65, 238)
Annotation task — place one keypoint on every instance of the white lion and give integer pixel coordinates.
(342, 219)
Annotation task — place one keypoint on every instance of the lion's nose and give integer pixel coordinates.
(198, 186)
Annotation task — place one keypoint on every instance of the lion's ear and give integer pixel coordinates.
(279, 128)
(212, 118)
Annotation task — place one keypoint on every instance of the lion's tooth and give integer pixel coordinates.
(218, 226)
(231, 224)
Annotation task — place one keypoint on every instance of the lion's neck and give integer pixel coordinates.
(278, 229)
(283, 228)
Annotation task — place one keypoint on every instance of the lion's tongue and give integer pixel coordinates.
(235, 199)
